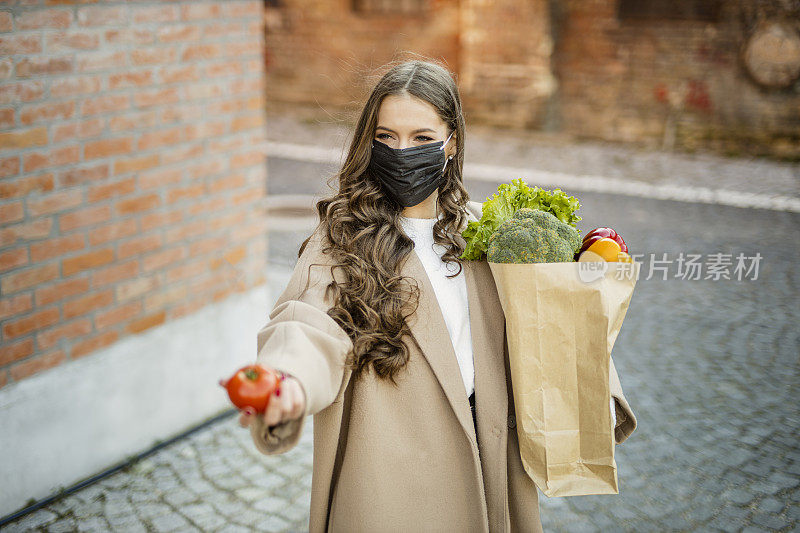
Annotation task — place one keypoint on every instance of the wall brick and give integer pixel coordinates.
(36, 321)
(20, 139)
(39, 363)
(119, 124)
(24, 186)
(107, 148)
(80, 218)
(86, 261)
(136, 164)
(104, 104)
(75, 40)
(139, 245)
(63, 155)
(38, 229)
(6, 22)
(9, 166)
(25, 91)
(111, 189)
(51, 337)
(20, 44)
(102, 16)
(75, 86)
(161, 259)
(152, 14)
(12, 259)
(76, 176)
(44, 18)
(153, 56)
(7, 119)
(99, 61)
(30, 277)
(15, 305)
(44, 66)
(130, 79)
(117, 315)
(114, 231)
(86, 304)
(12, 212)
(94, 343)
(33, 113)
(114, 273)
(134, 288)
(155, 139)
(61, 290)
(146, 322)
(137, 204)
(51, 248)
(55, 202)
(12, 352)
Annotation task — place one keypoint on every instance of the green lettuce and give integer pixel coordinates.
(510, 198)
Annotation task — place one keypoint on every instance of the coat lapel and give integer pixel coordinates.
(430, 331)
(487, 326)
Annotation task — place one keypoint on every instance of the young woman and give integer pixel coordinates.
(395, 345)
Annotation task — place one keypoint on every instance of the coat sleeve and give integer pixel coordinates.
(301, 340)
(626, 420)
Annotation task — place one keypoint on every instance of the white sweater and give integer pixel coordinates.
(451, 293)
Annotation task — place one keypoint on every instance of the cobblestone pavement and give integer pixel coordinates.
(710, 367)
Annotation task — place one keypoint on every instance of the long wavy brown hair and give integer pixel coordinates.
(362, 228)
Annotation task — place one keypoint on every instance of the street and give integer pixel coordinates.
(710, 367)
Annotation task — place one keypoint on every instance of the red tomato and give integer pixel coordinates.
(252, 386)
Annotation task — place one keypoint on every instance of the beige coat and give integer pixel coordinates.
(406, 458)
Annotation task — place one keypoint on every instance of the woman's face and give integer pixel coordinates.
(405, 121)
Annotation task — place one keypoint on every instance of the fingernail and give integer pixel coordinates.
(248, 411)
(278, 392)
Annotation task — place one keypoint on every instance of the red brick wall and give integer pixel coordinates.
(131, 169)
(319, 51)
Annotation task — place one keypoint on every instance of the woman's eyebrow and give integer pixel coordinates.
(413, 132)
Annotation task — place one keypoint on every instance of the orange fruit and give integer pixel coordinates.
(589, 257)
(606, 248)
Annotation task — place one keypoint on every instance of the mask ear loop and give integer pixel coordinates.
(442, 148)
(447, 141)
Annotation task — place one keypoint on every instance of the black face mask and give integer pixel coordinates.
(409, 175)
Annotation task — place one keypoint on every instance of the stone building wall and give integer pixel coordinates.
(664, 74)
(672, 77)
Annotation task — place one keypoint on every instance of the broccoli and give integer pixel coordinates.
(533, 236)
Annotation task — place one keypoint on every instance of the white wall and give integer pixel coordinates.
(80, 418)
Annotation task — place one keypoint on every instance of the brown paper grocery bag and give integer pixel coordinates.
(561, 322)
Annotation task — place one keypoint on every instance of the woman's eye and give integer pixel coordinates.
(424, 138)
(383, 136)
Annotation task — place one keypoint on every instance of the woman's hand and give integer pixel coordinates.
(286, 403)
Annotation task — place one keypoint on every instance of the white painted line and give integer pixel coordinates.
(291, 223)
(589, 183)
(303, 152)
